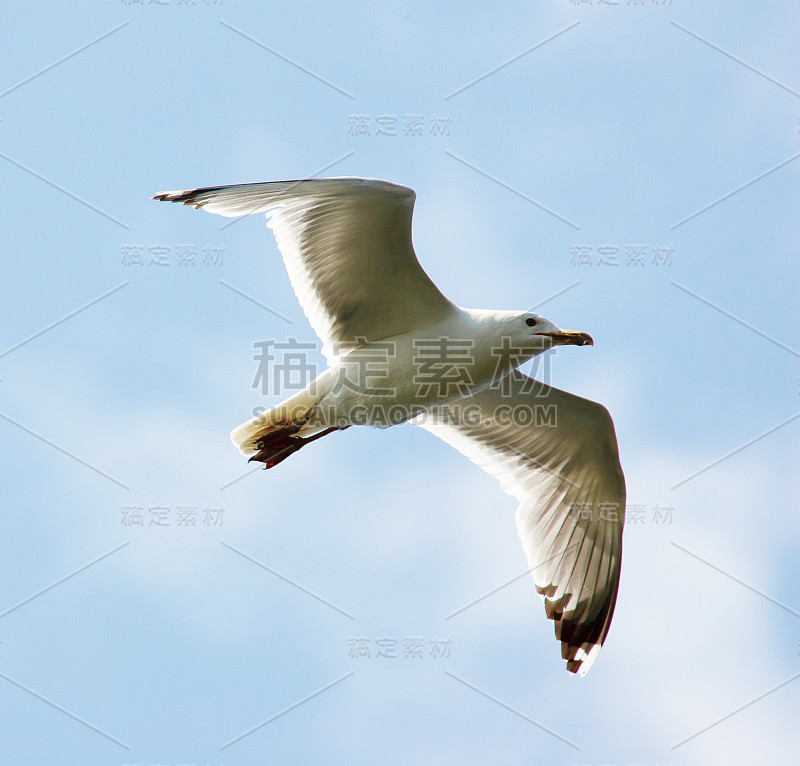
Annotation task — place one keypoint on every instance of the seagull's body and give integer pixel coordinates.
(346, 243)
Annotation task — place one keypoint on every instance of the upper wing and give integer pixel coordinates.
(346, 243)
(557, 454)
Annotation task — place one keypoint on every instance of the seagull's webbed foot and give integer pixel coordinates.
(275, 447)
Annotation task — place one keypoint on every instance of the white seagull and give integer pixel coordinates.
(399, 350)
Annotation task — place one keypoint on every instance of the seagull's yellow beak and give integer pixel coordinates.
(569, 338)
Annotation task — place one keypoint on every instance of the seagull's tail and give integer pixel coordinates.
(279, 432)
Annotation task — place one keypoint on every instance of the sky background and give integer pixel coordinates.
(589, 133)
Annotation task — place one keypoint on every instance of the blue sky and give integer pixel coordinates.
(589, 134)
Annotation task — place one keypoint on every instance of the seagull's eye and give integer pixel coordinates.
(530, 321)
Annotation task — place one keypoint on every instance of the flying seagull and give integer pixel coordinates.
(398, 350)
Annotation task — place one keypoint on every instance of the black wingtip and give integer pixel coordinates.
(187, 197)
(573, 666)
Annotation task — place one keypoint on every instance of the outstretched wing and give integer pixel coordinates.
(557, 454)
(346, 243)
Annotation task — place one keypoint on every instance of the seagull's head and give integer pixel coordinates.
(526, 326)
